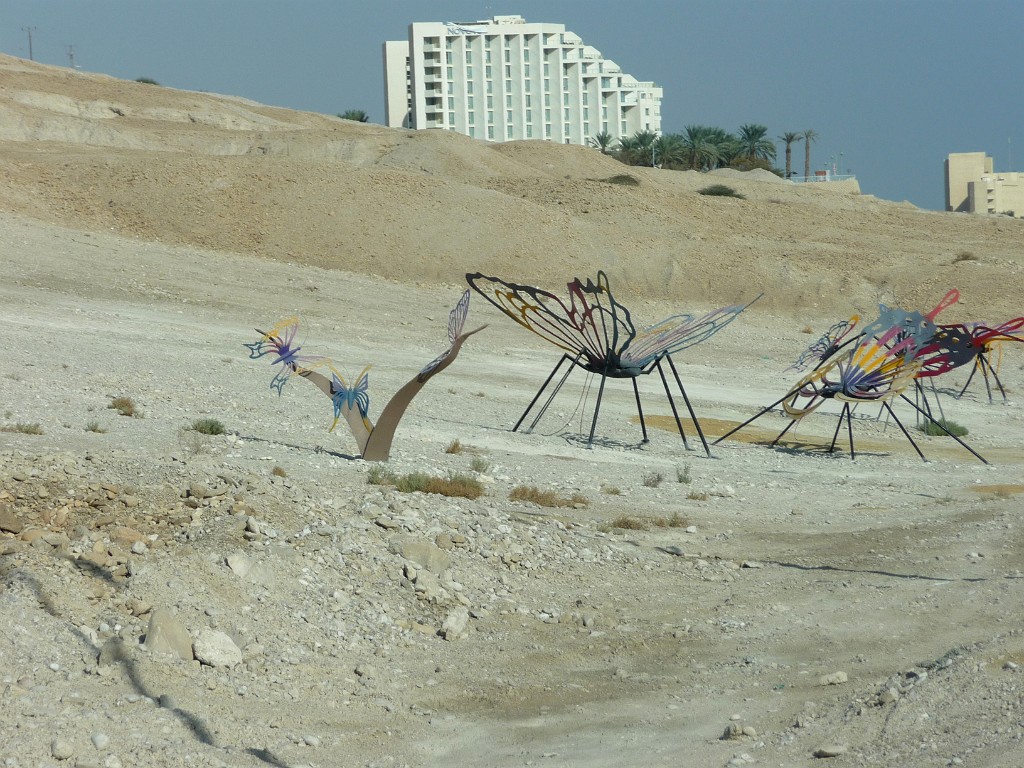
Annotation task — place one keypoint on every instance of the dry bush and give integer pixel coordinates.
(629, 523)
(480, 464)
(454, 446)
(653, 479)
(455, 484)
(94, 426)
(698, 496)
(676, 521)
(541, 498)
(611, 490)
(964, 256)
(23, 428)
(278, 472)
(125, 406)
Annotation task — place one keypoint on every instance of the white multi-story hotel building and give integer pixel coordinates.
(504, 79)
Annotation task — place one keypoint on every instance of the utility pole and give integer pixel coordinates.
(29, 30)
(71, 55)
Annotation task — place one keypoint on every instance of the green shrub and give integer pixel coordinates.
(721, 190)
(208, 427)
(933, 429)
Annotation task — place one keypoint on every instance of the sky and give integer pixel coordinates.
(890, 86)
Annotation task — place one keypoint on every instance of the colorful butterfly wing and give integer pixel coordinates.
(826, 345)
(591, 325)
(457, 318)
(676, 334)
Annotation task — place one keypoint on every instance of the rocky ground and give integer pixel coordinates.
(252, 598)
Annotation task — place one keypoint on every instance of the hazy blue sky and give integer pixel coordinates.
(890, 86)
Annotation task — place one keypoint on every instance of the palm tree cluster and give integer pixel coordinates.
(703, 148)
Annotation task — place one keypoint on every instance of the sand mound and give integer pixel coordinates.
(201, 169)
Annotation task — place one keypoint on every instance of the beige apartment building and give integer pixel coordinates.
(504, 79)
(973, 187)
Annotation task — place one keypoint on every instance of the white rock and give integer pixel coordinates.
(455, 623)
(214, 648)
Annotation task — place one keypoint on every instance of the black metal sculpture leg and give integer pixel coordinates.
(640, 410)
(597, 410)
(693, 416)
(672, 403)
(777, 437)
(543, 387)
(843, 414)
(974, 370)
(904, 430)
(757, 416)
(995, 376)
(943, 428)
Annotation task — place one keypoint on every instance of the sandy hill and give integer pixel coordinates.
(182, 167)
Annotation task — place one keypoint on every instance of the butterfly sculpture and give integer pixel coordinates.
(352, 402)
(826, 345)
(878, 366)
(989, 341)
(356, 397)
(596, 333)
(280, 341)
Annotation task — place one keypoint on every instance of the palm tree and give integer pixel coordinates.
(354, 114)
(754, 143)
(601, 141)
(669, 151)
(789, 137)
(702, 146)
(636, 149)
(809, 136)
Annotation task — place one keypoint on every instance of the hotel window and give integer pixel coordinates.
(490, 102)
(529, 100)
(547, 131)
(451, 73)
(529, 115)
(490, 131)
(526, 70)
(487, 53)
(472, 118)
(448, 42)
(451, 102)
(469, 57)
(487, 72)
(508, 100)
(508, 56)
(469, 71)
(508, 116)
(490, 86)
(547, 69)
(565, 99)
(567, 118)
(469, 101)
(448, 57)
(529, 131)
(472, 130)
(508, 70)
(469, 87)
(508, 132)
